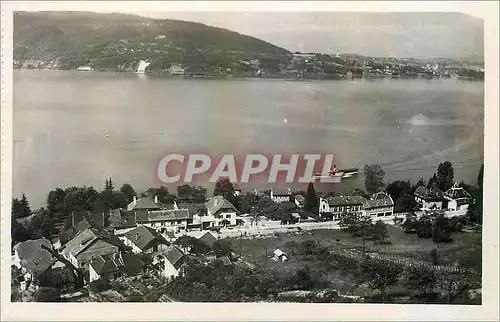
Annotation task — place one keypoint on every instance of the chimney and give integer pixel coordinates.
(137, 236)
(156, 199)
(175, 206)
(135, 199)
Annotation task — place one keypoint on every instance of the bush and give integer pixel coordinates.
(47, 294)
(99, 285)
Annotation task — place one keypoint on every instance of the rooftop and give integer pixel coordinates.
(87, 237)
(35, 259)
(106, 264)
(218, 203)
(346, 200)
(145, 237)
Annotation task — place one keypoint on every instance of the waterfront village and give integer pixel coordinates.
(251, 246)
(296, 66)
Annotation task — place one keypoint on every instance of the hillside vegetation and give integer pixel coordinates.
(111, 41)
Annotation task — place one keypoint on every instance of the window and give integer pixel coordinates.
(82, 264)
(388, 214)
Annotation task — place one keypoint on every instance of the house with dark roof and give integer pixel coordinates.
(380, 205)
(458, 198)
(173, 220)
(281, 195)
(340, 205)
(32, 259)
(429, 198)
(111, 266)
(222, 211)
(169, 262)
(144, 239)
(121, 221)
(89, 244)
(77, 222)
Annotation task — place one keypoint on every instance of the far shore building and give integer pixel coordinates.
(340, 205)
(380, 205)
(429, 198)
(176, 69)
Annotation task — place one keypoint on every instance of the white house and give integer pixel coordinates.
(337, 206)
(281, 195)
(279, 255)
(143, 239)
(173, 220)
(222, 211)
(380, 205)
(169, 262)
(458, 198)
(300, 200)
(429, 199)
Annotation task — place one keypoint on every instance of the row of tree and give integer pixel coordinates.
(402, 192)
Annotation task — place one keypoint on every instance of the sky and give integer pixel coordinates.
(403, 34)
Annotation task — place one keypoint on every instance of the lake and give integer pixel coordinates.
(78, 128)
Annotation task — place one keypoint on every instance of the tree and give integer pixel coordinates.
(453, 283)
(424, 226)
(432, 181)
(311, 200)
(445, 175)
(374, 178)
(224, 188)
(55, 202)
(187, 193)
(406, 203)
(20, 207)
(222, 248)
(398, 189)
(162, 193)
(380, 275)
(380, 232)
(128, 192)
(441, 229)
(411, 223)
(40, 225)
(79, 199)
(108, 186)
(420, 278)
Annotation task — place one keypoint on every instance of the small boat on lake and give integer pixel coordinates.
(336, 175)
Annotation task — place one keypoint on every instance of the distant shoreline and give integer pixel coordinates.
(267, 77)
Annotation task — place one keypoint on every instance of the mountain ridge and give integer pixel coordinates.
(108, 40)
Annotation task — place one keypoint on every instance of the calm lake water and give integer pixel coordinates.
(74, 128)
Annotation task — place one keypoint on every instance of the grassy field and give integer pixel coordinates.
(408, 245)
(404, 244)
